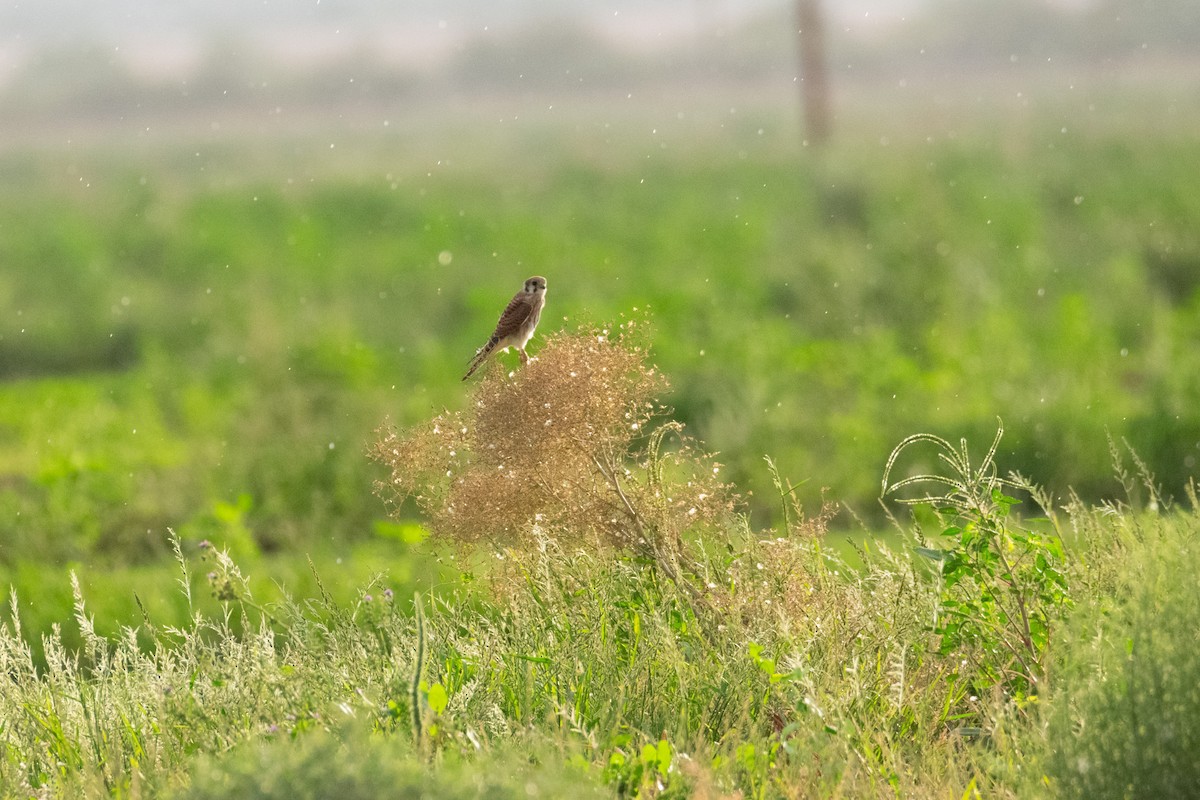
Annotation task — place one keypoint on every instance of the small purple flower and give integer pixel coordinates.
(367, 598)
(387, 594)
(204, 544)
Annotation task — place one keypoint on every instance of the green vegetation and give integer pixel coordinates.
(213, 339)
(1002, 585)
(680, 661)
(182, 331)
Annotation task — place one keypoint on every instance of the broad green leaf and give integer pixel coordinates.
(437, 698)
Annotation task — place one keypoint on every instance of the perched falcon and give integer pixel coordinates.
(516, 324)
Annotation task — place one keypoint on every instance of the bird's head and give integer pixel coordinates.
(535, 285)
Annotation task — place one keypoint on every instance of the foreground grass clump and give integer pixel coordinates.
(573, 442)
(774, 670)
(587, 659)
(351, 764)
(1002, 584)
(1125, 721)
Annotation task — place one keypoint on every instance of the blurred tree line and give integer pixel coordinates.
(83, 77)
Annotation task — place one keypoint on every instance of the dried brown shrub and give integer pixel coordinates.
(574, 442)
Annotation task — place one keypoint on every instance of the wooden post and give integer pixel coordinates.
(814, 78)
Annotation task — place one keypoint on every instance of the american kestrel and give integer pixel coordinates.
(516, 325)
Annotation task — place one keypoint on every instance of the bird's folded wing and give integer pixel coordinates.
(514, 316)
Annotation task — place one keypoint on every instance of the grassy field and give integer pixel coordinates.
(206, 335)
(601, 642)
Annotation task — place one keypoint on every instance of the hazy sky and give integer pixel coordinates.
(122, 19)
(166, 36)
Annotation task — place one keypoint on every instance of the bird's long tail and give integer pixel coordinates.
(481, 355)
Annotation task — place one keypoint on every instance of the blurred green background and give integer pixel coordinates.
(223, 266)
